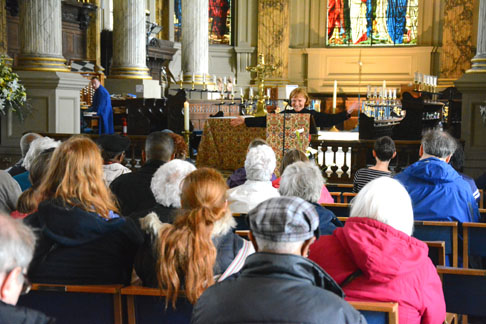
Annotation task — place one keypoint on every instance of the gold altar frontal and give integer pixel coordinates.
(223, 146)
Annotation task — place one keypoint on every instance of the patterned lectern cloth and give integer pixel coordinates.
(223, 146)
(293, 123)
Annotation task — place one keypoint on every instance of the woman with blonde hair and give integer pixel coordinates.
(199, 246)
(82, 239)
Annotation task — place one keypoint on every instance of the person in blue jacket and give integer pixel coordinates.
(438, 192)
(102, 105)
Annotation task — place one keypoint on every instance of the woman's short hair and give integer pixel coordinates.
(302, 179)
(384, 148)
(290, 157)
(166, 182)
(75, 176)
(260, 163)
(300, 91)
(38, 146)
(180, 146)
(387, 201)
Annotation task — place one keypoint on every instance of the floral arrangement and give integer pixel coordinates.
(12, 93)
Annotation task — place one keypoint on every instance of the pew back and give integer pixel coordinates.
(473, 241)
(76, 304)
(464, 290)
(377, 312)
(439, 231)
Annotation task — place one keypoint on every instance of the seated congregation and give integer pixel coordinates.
(170, 225)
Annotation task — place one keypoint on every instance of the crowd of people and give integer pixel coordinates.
(170, 225)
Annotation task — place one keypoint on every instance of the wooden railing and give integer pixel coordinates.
(338, 160)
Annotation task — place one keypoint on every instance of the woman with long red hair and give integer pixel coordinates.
(82, 239)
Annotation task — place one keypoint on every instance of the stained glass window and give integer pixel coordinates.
(177, 20)
(372, 22)
(219, 21)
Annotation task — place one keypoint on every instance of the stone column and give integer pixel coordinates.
(472, 85)
(129, 40)
(274, 37)
(479, 61)
(93, 43)
(41, 36)
(195, 16)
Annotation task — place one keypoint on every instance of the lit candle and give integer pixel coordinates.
(368, 94)
(251, 92)
(241, 92)
(384, 84)
(193, 77)
(415, 78)
(233, 91)
(186, 116)
(334, 95)
(214, 79)
(181, 76)
(268, 93)
(204, 78)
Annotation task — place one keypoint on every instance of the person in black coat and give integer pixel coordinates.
(299, 100)
(82, 239)
(17, 242)
(133, 189)
(278, 284)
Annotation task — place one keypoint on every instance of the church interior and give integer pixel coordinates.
(394, 68)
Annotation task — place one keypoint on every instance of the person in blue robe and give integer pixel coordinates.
(102, 105)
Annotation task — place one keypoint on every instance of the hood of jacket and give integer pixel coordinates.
(432, 170)
(380, 251)
(72, 226)
(289, 266)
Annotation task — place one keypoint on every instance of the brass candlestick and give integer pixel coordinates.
(262, 70)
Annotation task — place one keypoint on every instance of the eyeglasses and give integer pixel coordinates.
(26, 286)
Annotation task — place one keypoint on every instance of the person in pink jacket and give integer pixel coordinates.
(374, 258)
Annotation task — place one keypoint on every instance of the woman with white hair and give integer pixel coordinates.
(36, 147)
(304, 180)
(260, 163)
(374, 258)
(166, 187)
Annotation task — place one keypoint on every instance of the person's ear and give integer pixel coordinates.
(144, 156)
(172, 156)
(10, 287)
(394, 154)
(253, 241)
(374, 154)
(304, 250)
(421, 150)
(448, 158)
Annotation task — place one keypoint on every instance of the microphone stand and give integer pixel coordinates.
(283, 139)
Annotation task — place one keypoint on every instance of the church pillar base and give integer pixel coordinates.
(55, 101)
(473, 126)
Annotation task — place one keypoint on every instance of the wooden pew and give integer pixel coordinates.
(464, 290)
(377, 312)
(75, 304)
(147, 305)
(347, 196)
(473, 241)
(340, 210)
(439, 231)
(336, 195)
(436, 252)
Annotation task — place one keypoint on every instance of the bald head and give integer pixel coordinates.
(159, 146)
(26, 140)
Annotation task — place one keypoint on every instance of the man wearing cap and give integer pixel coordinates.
(113, 149)
(278, 284)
